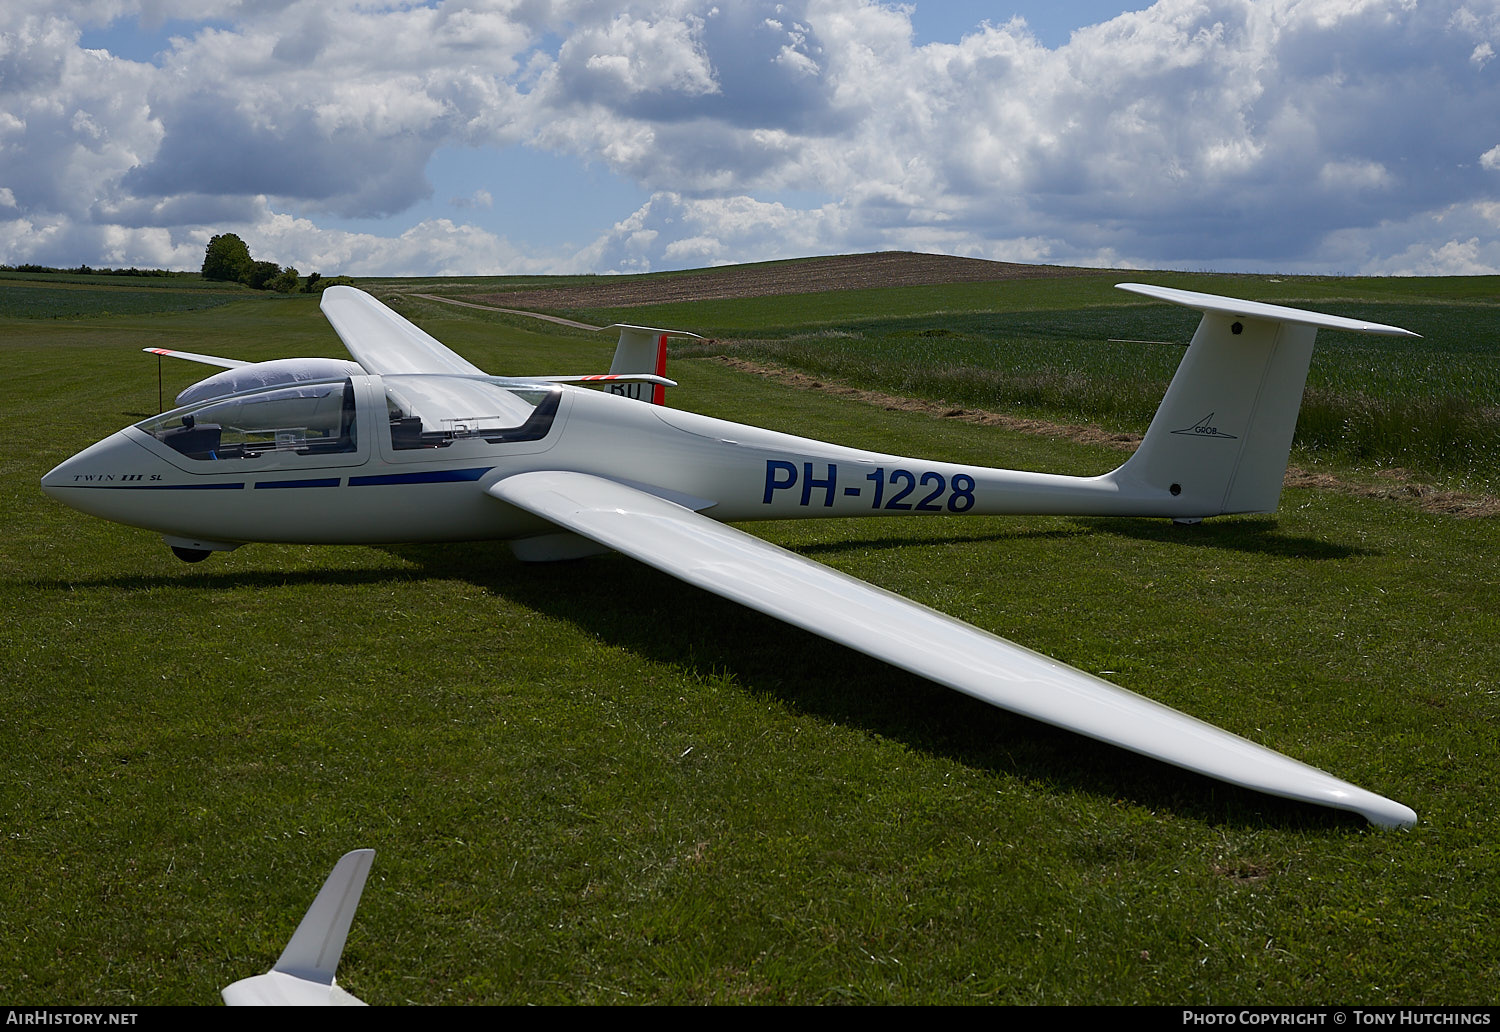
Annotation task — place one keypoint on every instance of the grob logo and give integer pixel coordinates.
(1205, 428)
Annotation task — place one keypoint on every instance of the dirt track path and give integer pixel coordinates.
(559, 320)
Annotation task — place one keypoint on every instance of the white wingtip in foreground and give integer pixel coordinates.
(304, 974)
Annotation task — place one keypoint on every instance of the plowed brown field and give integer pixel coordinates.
(809, 276)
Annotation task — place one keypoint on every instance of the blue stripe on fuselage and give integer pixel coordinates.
(436, 476)
(324, 482)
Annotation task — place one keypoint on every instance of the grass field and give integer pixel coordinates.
(588, 784)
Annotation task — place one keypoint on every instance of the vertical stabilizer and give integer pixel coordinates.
(1220, 441)
(304, 975)
(316, 946)
(642, 349)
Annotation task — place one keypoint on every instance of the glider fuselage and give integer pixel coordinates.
(372, 489)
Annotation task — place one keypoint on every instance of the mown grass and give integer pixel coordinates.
(130, 279)
(586, 783)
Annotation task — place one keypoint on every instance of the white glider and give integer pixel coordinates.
(420, 445)
(304, 974)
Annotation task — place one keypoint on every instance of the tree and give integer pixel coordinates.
(260, 274)
(227, 258)
(285, 282)
(317, 283)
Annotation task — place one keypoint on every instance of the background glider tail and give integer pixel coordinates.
(304, 974)
(1223, 434)
(643, 349)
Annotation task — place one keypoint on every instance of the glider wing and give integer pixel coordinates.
(650, 378)
(806, 594)
(222, 363)
(383, 342)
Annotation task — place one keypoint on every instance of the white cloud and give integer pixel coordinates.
(432, 247)
(478, 199)
(1451, 258)
(630, 56)
(1354, 175)
(1236, 133)
(1461, 239)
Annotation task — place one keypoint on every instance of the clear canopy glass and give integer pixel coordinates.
(435, 411)
(318, 417)
(303, 419)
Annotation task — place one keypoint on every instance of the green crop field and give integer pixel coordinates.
(31, 296)
(586, 783)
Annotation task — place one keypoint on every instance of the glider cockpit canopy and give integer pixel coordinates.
(308, 417)
(435, 411)
(319, 417)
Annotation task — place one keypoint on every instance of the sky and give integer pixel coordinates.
(492, 137)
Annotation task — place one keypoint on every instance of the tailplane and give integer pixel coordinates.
(1221, 439)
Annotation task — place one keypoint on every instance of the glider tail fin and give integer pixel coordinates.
(304, 974)
(1220, 441)
(643, 349)
(315, 947)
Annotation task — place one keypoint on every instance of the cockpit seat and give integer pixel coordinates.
(406, 432)
(195, 440)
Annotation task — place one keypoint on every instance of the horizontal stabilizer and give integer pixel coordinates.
(643, 349)
(1222, 437)
(1261, 310)
(645, 335)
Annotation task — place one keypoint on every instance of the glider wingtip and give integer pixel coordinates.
(1377, 809)
(1392, 815)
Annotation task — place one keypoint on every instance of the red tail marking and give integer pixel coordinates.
(659, 391)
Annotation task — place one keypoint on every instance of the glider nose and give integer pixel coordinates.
(61, 479)
(82, 481)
